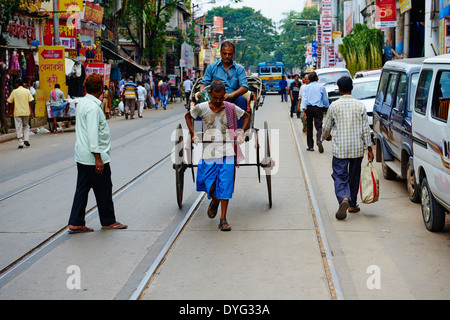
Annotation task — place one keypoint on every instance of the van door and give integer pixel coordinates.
(388, 103)
(398, 124)
(439, 136)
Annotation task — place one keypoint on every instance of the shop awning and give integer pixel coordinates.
(126, 59)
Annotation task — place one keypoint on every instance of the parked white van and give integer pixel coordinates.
(431, 140)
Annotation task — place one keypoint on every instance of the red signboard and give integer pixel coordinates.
(52, 54)
(93, 12)
(386, 13)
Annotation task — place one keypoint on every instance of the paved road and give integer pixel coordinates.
(270, 253)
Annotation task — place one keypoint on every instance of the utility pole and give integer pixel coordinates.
(56, 40)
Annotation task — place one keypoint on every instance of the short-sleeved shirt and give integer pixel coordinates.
(187, 84)
(59, 98)
(295, 88)
(215, 127)
(21, 98)
(233, 80)
(130, 90)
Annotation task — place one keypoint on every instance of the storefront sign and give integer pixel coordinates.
(386, 13)
(218, 25)
(67, 34)
(405, 5)
(51, 71)
(22, 29)
(93, 12)
(100, 68)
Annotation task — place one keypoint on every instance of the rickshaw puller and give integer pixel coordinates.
(216, 169)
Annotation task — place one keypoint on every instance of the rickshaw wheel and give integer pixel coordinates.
(268, 160)
(179, 164)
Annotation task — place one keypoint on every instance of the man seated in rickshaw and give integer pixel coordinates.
(216, 169)
(231, 74)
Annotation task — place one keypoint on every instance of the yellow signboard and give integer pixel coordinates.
(51, 71)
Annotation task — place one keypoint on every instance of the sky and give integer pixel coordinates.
(272, 9)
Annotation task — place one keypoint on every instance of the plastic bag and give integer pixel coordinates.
(121, 107)
(369, 184)
(204, 95)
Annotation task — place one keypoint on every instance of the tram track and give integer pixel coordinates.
(333, 281)
(62, 231)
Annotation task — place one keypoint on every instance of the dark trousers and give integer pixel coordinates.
(283, 93)
(102, 186)
(241, 102)
(294, 103)
(346, 176)
(313, 115)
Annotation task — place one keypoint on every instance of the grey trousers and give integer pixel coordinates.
(22, 129)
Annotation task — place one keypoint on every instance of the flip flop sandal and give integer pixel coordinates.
(83, 229)
(355, 210)
(224, 226)
(116, 225)
(342, 211)
(212, 210)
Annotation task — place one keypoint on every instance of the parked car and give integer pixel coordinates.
(367, 73)
(365, 89)
(329, 77)
(392, 121)
(431, 136)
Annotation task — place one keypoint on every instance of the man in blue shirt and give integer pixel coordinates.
(231, 74)
(314, 103)
(283, 85)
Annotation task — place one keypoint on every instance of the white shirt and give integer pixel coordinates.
(215, 128)
(187, 84)
(142, 93)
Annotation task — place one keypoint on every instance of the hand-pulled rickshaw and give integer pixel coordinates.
(183, 155)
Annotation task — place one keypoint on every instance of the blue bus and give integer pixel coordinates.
(270, 73)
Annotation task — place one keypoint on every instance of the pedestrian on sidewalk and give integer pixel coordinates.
(23, 111)
(187, 86)
(107, 102)
(165, 88)
(142, 96)
(302, 89)
(314, 103)
(294, 92)
(348, 124)
(283, 87)
(129, 96)
(92, 155)
(216, 169)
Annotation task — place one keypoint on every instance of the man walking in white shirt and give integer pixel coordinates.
(142, 97)
(348, 124)
(187, 85)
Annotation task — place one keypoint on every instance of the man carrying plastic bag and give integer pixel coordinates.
(348, 124)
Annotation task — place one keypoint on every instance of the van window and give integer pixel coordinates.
(412, 89)
(401, 94)
(423, 88)
(391, 89)
(382, 88)
(441, 98)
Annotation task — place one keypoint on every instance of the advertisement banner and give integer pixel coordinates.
(93, 12)
(52, 70)
(100, 68)
(385, 14)
(218, 24)
(444, 9)
(405, 5)
(67, 35)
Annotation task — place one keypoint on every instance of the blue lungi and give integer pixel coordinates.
(219, 171)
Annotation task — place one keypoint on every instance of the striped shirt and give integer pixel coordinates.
(130, 89)
(348, 124)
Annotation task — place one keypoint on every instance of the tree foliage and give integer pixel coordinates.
(291, 46)
(246, 23)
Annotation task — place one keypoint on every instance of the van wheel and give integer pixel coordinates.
(413, 188)
(432, 212)
(388, 174)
